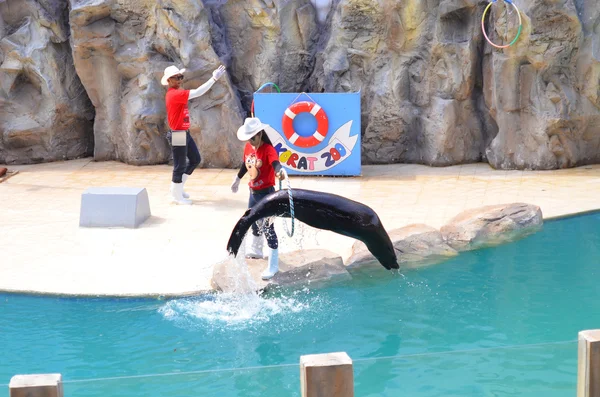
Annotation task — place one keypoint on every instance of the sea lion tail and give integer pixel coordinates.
(238, 233)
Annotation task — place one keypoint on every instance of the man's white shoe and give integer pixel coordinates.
(254, 248)
(177, 194)
(273, 266)
(184, 178)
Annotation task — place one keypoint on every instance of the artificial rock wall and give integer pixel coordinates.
(83, 76)
(45, 112)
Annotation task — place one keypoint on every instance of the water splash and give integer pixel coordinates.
(243, 306)
(284, 311)
(231, 310)
(242, 282)
(304, 236)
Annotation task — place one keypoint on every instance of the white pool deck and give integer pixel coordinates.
(43, 249)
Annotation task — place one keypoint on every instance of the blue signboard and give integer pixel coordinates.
(314, 134)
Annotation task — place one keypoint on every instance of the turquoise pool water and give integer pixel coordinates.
(494, 322)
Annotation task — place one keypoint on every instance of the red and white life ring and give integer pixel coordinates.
(288, 126)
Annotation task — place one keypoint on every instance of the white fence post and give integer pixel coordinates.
(326, 375)
(588, 367)
(42, 385)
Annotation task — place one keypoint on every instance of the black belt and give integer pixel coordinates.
(261, 191)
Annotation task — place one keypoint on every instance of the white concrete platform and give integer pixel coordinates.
(43, 249)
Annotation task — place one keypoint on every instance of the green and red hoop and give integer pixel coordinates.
(511, 2)
(261, 87)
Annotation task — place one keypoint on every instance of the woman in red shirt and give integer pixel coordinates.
(186, 156)
(262, 164)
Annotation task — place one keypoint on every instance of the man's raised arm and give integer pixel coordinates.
(196, 92)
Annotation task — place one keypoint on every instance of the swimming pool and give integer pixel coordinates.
(500, 321)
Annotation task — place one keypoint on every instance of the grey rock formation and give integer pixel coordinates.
(268, 41)
(433, 90)
(543, 91)
(121, 48)
(492, 225)
(416, 64)
(45, 114)
(307, 267)
(416, 245)
(421, 245)
(322, 8)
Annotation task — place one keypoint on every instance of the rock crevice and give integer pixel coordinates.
(45, 114)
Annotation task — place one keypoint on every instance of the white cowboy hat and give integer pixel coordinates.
(251, 127)
(170, 71)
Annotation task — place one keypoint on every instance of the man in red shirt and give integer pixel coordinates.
(261, 162)
(178, 115)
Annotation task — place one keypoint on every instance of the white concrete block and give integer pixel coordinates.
(114, 207)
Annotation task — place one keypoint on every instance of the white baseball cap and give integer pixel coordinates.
(170, 71)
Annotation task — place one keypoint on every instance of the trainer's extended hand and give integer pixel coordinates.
(218, 72)
(235, 185)
(281, 175)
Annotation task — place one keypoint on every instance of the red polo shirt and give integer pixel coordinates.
(178, 113)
